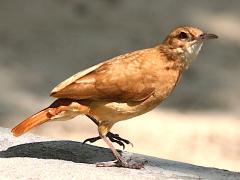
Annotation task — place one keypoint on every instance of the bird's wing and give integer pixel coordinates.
(119, 79)
(74, 78)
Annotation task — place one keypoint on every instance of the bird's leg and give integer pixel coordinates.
(113, 137)
(93, 119)
(120, 162)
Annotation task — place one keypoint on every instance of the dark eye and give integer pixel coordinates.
(182, 35)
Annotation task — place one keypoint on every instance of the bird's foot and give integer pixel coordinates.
(92, 140)
(117, 139)
(122, 164)
(112, 137)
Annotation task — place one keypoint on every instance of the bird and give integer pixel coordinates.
(121, 88)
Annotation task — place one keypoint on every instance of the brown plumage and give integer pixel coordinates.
(122, 87)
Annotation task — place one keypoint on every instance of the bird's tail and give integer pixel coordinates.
(31, 122)
(61, 108)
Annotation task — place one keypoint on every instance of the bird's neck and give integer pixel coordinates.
(182, 58)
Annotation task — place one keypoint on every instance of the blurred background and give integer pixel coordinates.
(44, 42)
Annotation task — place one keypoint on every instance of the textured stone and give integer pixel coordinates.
(34, 157)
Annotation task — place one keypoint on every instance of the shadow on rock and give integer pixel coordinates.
(63, 150)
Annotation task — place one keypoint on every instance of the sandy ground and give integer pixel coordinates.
(44, 42)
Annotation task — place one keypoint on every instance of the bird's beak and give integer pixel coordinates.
(207, 36)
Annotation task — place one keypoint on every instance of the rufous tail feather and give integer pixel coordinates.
(33, 121)
(59, 109)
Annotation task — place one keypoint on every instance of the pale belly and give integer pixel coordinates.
(115, 111)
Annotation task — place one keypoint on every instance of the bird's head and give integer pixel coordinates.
(187, 41)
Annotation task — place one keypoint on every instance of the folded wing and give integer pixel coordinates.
(119, 79)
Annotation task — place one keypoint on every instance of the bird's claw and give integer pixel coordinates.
(112, 137)
(92, 140)
(118, 163)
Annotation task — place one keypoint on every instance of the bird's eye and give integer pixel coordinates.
(182, 35)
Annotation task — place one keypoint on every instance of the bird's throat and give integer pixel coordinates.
(191, 53)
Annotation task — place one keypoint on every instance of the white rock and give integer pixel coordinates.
(34, 157)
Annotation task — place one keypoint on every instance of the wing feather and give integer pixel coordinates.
(119, 79)
(74, 78)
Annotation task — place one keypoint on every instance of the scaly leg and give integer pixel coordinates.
(120, 162)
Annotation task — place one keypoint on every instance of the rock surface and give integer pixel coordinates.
(34, 157)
